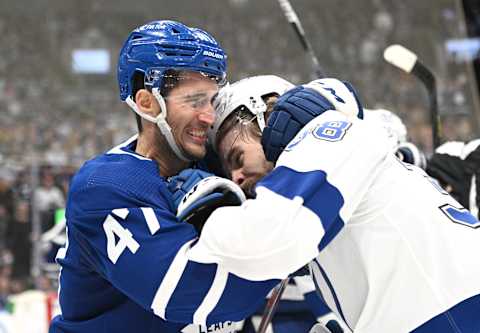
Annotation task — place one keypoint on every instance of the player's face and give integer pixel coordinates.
(243, 159)
(190, 112)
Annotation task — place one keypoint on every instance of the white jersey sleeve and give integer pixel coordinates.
(331, 164)
(393, 250)
(301, 205)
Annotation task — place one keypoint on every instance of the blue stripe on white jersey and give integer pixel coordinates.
(321, 197)
(316, 265)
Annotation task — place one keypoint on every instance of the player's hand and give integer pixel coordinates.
(180, 184)
(298, 106)
(198, 193)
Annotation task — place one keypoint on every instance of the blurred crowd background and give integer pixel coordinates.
(54, 115)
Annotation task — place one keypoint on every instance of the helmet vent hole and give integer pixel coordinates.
(175, 31)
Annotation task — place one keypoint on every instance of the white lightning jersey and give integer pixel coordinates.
(392, 250)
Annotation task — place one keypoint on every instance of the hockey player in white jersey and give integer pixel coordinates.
(300, 307)
(391, 251)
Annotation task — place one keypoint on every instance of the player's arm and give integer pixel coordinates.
(332, 161)
(319, 180)
(330, 165)
(142, 249)
(196, 194)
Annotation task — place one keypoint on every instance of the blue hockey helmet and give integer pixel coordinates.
(158, 46)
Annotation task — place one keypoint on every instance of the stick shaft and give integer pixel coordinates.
(428, 79)
(271, 306)
(292, 17)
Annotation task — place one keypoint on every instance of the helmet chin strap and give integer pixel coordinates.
(161, 121)
(261, 120)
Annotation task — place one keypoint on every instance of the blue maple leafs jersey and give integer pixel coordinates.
(391, 251)
(125, 266)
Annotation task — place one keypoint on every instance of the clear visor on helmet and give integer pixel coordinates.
(192, 89)
(173, 76)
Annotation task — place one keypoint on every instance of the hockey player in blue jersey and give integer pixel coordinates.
(392, 252)
(125, 267)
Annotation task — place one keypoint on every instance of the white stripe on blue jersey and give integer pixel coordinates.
(127, 267)
(211, 299)
(170, 281)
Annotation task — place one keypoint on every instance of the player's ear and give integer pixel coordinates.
(146, 102)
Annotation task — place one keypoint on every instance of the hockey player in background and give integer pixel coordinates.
(392, 252)
(124, 266)
(456, 166)
(397, 136)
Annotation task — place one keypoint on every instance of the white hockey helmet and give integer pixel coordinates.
(247, 93)
(397, 132)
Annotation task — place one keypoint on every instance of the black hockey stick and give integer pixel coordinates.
(272, 304)
(300, 32)
(406, 60)
(293, 19)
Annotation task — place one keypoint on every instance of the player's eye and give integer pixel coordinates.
(214, 99)
(237, 160)
(199, 103)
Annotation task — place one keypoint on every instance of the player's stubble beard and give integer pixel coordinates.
(166, 157)
(249, 185)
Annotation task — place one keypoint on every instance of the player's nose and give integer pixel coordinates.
(207, 115)
(238, 177)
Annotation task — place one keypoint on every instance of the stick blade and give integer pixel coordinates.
(401, 57)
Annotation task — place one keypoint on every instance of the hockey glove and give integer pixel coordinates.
(409, 153)
(198, 193)
(299, 106)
